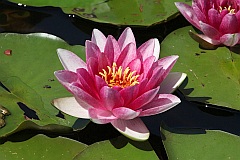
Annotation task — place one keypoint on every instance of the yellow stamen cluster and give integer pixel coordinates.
(115, 76)
(232, 11)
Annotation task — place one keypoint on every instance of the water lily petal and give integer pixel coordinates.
(125, 113)
(70, 106)
(228, 24)
(112, 49)
(209, 31)
(128, 54)
(66, 77)
(134, 129)
(135, 65)
(101, 116)
(188, 13)
(161, 103)
(230, 39)
(125, 38)
(204, 40)
(92, 50)
(99, 39)
(145, 98)
(69, 60)
(167, 63)
(172, 82)
(214, 18)
(110, 98)
(198, 12)
(149, 48)
(84, 96)
(129, 93)
(92, 66)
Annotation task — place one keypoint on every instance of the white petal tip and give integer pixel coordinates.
(70, 106)
(172, 82)
(133, 129)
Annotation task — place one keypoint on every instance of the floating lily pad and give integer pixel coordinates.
(118, 149)
(213, 75)
(41, 147)
(124, 12)
(185, 144)
(28, 85)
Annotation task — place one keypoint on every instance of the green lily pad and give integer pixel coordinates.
(124, 12)
(118, 149)
(213, 75)
(41, 147)
(28, 85)
(186, 144)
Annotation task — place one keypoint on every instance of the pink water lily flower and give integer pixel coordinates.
(219, 20)
(118, 83)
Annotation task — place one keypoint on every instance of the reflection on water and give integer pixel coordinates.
(18, 18)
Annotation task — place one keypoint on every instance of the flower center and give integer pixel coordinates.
(229, 9)
(115, 76)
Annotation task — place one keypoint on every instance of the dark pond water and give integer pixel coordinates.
(74, 30)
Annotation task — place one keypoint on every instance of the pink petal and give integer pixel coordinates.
(145, 98)
(209, 31)
(199, 14)
(230, 39)
(99, 39)
(172, 82)
(88, 83)
(167, 63)
(134, 129)
(126, 38)
(135, 65)
(70, 106)
(229, 24)
(80, 94)
(112, 49)
(125, 113)
(129, 93)
(100, 83)
(214, 18)
(161, 103)
(92, 50)
(147, 64)
(154, 79)
(103, 61)
(110, 98)
(188, 13)
(128, 54)
(149, 48)
(101, 116)
(66, 77)
(69, 60)
(92, 66)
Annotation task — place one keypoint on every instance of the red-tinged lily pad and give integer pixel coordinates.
(125, 12)
(41, 147)
(213, 75)
(28, 85)
(186, 144)
(118, 149)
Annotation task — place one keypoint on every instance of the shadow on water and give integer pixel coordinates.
(196, 115)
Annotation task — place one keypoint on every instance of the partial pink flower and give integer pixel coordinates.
(118, 83)
(219, 20)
